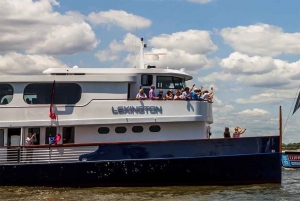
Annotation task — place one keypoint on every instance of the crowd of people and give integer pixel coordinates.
(182, 94)
(236, 134)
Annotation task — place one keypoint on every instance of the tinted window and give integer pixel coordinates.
(154, 128)
(147, 80)
(50, 132)
(68, 135)
(6, 94)
(64, 93)
(137, 129)
(1, 137)
(120, 129)
(37, 133)
(168, 82)
(103, 130)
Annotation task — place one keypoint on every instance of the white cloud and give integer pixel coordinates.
(267, 98)
(34, 27)
(15, 63)
(175, 59)
(216, 76)
(254, 112)
(200, 1)
(238, 63)
(191, 41)
(261, 39)
(106, 55)
(130, 43)
(120, 18)
(259, 71)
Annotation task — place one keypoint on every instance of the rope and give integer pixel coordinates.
(291, 109)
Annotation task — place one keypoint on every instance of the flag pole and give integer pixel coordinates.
(280, 129)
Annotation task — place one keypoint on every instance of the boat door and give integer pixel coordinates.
(13, 139)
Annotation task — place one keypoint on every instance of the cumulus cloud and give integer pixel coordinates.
(254, 112)
(261, 39)
(200, 1)
(33, 27)
(191, 41)
(258, 71)
(216, 76)
(16, 63)
(175, 58)
(238, 63)
(119, 18)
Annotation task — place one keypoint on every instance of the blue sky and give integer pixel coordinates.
(247, 49)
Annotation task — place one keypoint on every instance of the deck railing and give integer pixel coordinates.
(46, 154)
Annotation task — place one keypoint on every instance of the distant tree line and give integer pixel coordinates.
(290, 146)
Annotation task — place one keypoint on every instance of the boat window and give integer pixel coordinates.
(103, 130)
(169, 82)
(137, 129)
(6, 94)
(37, 132)
(1, 137)
(50, 132)
(64, 93)
(154, 128)
(121, 129)
(146, 80)
(68, 135)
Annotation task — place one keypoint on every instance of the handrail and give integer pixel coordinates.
(74, 105)
(122, 142)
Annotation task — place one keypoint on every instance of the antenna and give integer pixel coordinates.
(142, 61)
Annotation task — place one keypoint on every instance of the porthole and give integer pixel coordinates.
(120, 129)
(154, 128)
(137, 129)
(103, 130)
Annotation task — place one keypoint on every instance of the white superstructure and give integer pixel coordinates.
(98, 105)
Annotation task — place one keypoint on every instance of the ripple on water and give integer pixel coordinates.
(289, 190)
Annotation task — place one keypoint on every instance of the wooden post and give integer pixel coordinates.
(280, 129)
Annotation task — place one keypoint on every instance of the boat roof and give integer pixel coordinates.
(92, 75)
(119, 71)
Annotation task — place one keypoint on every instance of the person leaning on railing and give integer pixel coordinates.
(141, 95)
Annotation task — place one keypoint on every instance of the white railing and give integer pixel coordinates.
(51, 154)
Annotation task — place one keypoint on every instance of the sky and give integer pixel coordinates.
(248, 50)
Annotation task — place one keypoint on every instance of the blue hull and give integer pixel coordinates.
(234, 161)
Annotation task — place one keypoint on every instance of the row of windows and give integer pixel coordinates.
(122, 129)
(163, 82)
(67, 135)
(41, 93)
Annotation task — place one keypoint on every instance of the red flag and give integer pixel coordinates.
(52, 114)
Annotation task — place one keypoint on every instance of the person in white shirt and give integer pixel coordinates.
(141, 95)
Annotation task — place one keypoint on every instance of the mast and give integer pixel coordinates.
(280, 129)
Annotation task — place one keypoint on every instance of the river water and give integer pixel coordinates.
(288, 190)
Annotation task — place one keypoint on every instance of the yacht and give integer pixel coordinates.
(86, 128)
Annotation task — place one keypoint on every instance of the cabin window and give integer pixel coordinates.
(146, 80)
(121, 129)
(68, 135)
(137, 129)
(64, 93)
(6, 94)
(103, 130)
(1, 137)
(50, 132)
(154, 128)
(169, 82)
(37, 132)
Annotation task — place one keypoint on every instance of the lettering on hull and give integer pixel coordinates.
(137, 110)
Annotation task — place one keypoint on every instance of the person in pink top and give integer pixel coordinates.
(152, 94)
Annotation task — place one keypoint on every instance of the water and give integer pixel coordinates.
(288, 190)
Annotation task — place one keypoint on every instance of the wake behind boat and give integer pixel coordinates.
(97, 134)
